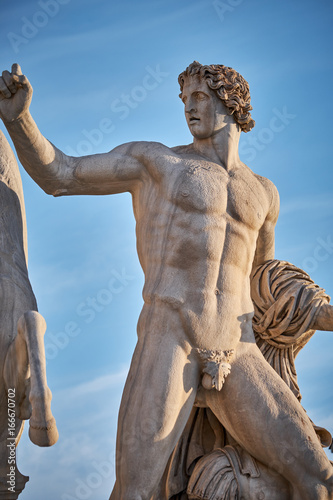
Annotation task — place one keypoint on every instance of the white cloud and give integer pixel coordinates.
(87, 438)
(318, 205)
(90, 387)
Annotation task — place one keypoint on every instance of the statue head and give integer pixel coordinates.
(230, 87)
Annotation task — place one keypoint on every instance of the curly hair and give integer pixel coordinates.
(229, 86)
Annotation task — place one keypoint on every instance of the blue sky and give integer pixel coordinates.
(87, 59)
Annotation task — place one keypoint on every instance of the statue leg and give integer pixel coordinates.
(265, 418)
(157, 400)
(26, 356)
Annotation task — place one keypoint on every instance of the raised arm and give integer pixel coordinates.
(323, 320)
(55, 172)
(266, 238)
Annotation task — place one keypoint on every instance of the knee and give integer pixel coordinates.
(325, 489)
(315, 490)
(31, 320)
(320, 492)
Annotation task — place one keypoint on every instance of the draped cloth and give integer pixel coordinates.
(286, 302)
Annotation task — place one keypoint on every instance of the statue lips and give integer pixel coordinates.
(193, 120)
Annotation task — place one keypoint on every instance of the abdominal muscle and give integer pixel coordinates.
(208, 317)
(197, 266)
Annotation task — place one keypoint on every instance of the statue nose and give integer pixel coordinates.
(190, 108)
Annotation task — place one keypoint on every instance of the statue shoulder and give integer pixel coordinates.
(142, 149)
(154, 157)
(267, 187)
(272, 195)
(186, 149)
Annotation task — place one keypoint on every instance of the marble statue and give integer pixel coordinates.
(207, 462)
(23, 388)
(209, 393)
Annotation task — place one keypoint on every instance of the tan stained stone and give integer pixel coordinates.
(206, 236)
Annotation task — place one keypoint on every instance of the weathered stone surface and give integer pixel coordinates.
(205, 221)
(285, 301)
(23, 390)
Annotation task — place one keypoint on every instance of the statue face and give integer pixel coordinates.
(205, 113)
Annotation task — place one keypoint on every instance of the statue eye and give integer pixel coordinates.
(200, 96)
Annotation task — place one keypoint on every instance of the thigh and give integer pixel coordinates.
(264, 417)
(157, 400)
(163, 371)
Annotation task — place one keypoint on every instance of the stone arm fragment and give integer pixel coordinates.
(56, 173)
(323, 319)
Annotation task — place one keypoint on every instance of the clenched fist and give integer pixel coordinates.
(15, 94)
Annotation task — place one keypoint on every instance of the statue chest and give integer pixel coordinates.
(211, 191)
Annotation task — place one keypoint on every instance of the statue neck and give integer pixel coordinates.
(221, 148)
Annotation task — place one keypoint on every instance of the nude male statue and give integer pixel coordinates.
(203, 220)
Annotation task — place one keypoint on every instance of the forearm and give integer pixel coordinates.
(50, 168)
(323, 320)
(117, 171)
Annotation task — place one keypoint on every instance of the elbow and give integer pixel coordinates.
(59, 178)
(47, 189)
(52, 187)
(56, 192)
